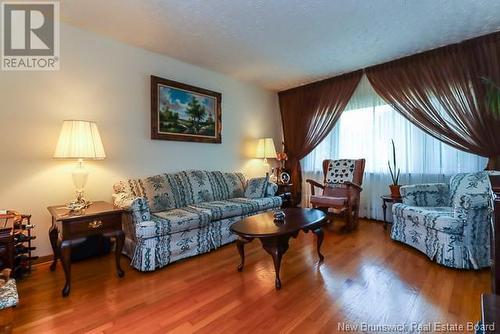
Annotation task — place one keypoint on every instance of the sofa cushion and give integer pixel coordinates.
(162, 192)
(172, 221)
(196, 186)
(202, 214)
(221, 209)
(328, 201)
(237, 206)
(176, 190)
(256, 187)
(437, 218)
(430, 194)
(260, 204)
(227, 185)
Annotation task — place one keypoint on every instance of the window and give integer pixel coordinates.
(365, 130)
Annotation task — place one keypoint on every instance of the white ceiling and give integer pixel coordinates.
(280, 44)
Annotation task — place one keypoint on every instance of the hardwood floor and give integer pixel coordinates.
(365, 278)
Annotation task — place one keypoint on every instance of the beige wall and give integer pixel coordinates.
(108, 82)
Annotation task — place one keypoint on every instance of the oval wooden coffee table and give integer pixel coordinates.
(274, 236)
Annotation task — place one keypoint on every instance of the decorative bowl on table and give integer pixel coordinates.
(279, 216)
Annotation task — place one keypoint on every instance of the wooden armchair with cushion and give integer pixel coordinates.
(341, 189)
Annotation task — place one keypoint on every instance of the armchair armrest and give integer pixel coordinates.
(429, 194)
(313, 184)
(353, 185)
(475, 211)
(472, 202)
(137, 206)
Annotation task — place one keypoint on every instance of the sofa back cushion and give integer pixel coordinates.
(470, 184)
(227, 185)
(202, 186)
(177, 190)
(161, 191)
(257, 187)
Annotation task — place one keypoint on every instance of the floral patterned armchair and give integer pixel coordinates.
(450, 223)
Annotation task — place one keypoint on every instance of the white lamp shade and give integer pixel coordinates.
(265, 148)
(79, 140)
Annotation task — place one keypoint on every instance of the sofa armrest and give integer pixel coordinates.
(136, 206)
(272, 189)
(430, 194)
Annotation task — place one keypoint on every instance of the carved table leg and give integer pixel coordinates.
(53, 243)
(120, 240)
(241, 249)
(276, 247)
(240, 245)
(319, 241)
(66, 263)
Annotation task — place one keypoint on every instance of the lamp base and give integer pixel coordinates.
(78, 204)
(80, 176)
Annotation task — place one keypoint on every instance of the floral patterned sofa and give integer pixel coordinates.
(448, 222)
(178, 215)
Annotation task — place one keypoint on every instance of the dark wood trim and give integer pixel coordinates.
(155, 134)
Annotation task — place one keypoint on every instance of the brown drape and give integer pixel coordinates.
(308, 114)
(442, 91)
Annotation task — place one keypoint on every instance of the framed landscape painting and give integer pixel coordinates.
(184, 113)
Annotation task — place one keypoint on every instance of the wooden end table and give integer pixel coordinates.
(274, 236)
(388, 199)
(70, 229)
(285, 192)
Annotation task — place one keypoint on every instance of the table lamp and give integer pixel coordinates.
(79, 140)
(266, 150)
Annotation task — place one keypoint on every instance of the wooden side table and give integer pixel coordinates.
(69, 229)
(388, 199)
(6, 248)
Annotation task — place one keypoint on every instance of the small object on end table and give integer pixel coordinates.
(285, 192)
(279, 216)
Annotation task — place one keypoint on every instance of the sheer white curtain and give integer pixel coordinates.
(365, 130)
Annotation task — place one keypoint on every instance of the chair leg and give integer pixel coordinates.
(349, 218)
(330, 218)
(356, 216)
